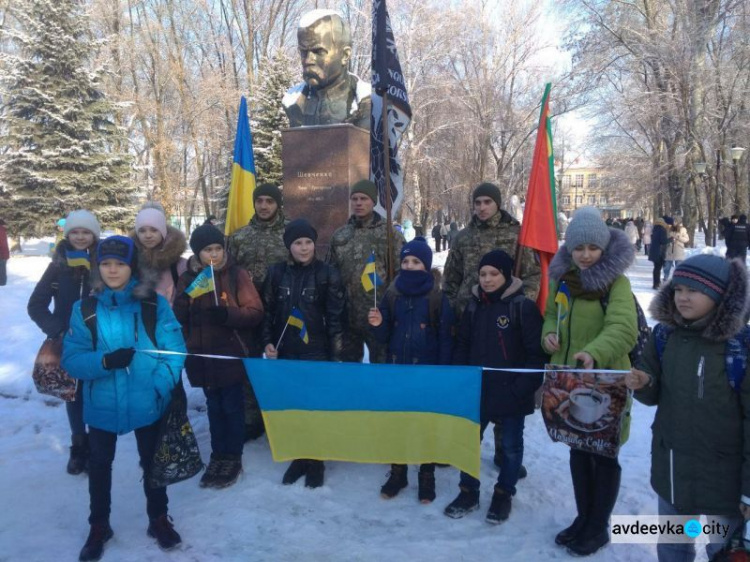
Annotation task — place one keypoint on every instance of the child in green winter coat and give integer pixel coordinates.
(700, 432)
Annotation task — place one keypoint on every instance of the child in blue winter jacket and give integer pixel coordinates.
(416, 321)
(124, 389)
(500, 328)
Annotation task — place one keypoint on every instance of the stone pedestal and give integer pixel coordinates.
(320, 164)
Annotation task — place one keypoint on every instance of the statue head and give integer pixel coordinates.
(325, 46)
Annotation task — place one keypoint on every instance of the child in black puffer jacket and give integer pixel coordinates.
(500, 328)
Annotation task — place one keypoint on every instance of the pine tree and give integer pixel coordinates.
(268, 118)
(63, 148)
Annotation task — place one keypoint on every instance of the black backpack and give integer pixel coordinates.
(148, 314)
(644, 332)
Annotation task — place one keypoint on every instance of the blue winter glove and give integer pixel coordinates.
(118, 359)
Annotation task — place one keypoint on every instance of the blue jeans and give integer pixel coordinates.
(102, 446)
(668, 265)
(512, 456)
(74, 410)
(226, 418)
(686, 552)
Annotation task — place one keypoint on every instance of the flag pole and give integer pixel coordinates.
(559, 313)
(281, 337)
(213, 281)
(388, 203)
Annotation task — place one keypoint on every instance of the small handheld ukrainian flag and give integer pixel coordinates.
(562, 298)
(203, 283)
(297, 320)
(370, 277)
(78, 258)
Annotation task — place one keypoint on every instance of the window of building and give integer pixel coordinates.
(579, 199)
(592, 200)
(593, 181)
(578, 180)
(566, 181)
(604, 199)
(565, 200)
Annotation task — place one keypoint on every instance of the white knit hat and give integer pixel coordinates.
(82, 219)
(153, 217)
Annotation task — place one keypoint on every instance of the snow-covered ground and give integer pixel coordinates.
(45, 511)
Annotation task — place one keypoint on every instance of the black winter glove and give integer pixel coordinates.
(217, 315)
(118, 359)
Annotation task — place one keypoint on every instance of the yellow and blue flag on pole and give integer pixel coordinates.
(370, 277)
(202, 284)
(240, 203)
(360, 412)
(297, 320)
(562, 298)
(78, 258)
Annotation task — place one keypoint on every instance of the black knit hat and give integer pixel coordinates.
(297, 229)
(269, 190)
(500, 261)
(366, 187)
(488, 190)
(205, 235)
(119, 248)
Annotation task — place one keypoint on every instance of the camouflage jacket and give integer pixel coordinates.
(350, 248)
(259, 245)
(461, 273)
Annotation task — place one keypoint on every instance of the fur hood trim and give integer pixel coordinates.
(616, 259)
(164, 255)
(730, 315)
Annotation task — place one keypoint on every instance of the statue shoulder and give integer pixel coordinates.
(362, 88)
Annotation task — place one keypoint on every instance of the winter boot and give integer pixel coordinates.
(229, 471)
(595, 533)
(396, 482)
(426, 493)
(208, 480)
(582, 474)
(466, 502)
(100, 533)
(162, 530)
(499, 509)
(315, 474)
(79, 454)
(296, 470)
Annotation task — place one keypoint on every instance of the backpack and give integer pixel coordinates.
(148, 314)
(434, 305)
(735, 354)
(644, 332)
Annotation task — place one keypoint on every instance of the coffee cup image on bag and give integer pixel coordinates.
(588, 405)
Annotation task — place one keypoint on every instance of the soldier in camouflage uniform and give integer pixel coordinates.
(255, 247)
(490, 228)
(351, 246)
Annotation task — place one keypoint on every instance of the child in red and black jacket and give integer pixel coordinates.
(500, 328)
(225, 328)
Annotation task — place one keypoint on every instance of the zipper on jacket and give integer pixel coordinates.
(701, 376)
(135, 326)
(671, 475)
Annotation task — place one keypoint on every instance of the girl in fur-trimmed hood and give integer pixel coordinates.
(160, 249)
(592, 263)
(700, 433)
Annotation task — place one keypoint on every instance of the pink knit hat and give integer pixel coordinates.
(150, 216)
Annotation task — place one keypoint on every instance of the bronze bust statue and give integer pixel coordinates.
(330, 94)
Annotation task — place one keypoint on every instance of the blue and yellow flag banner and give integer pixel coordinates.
(203, 283)
(240, 207)
(297, 320)
(562, 298)
(370, 277)
(367, 413)
(78, 258)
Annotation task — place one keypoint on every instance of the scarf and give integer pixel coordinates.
(78, 258)
(573, 280)
(414, 283)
